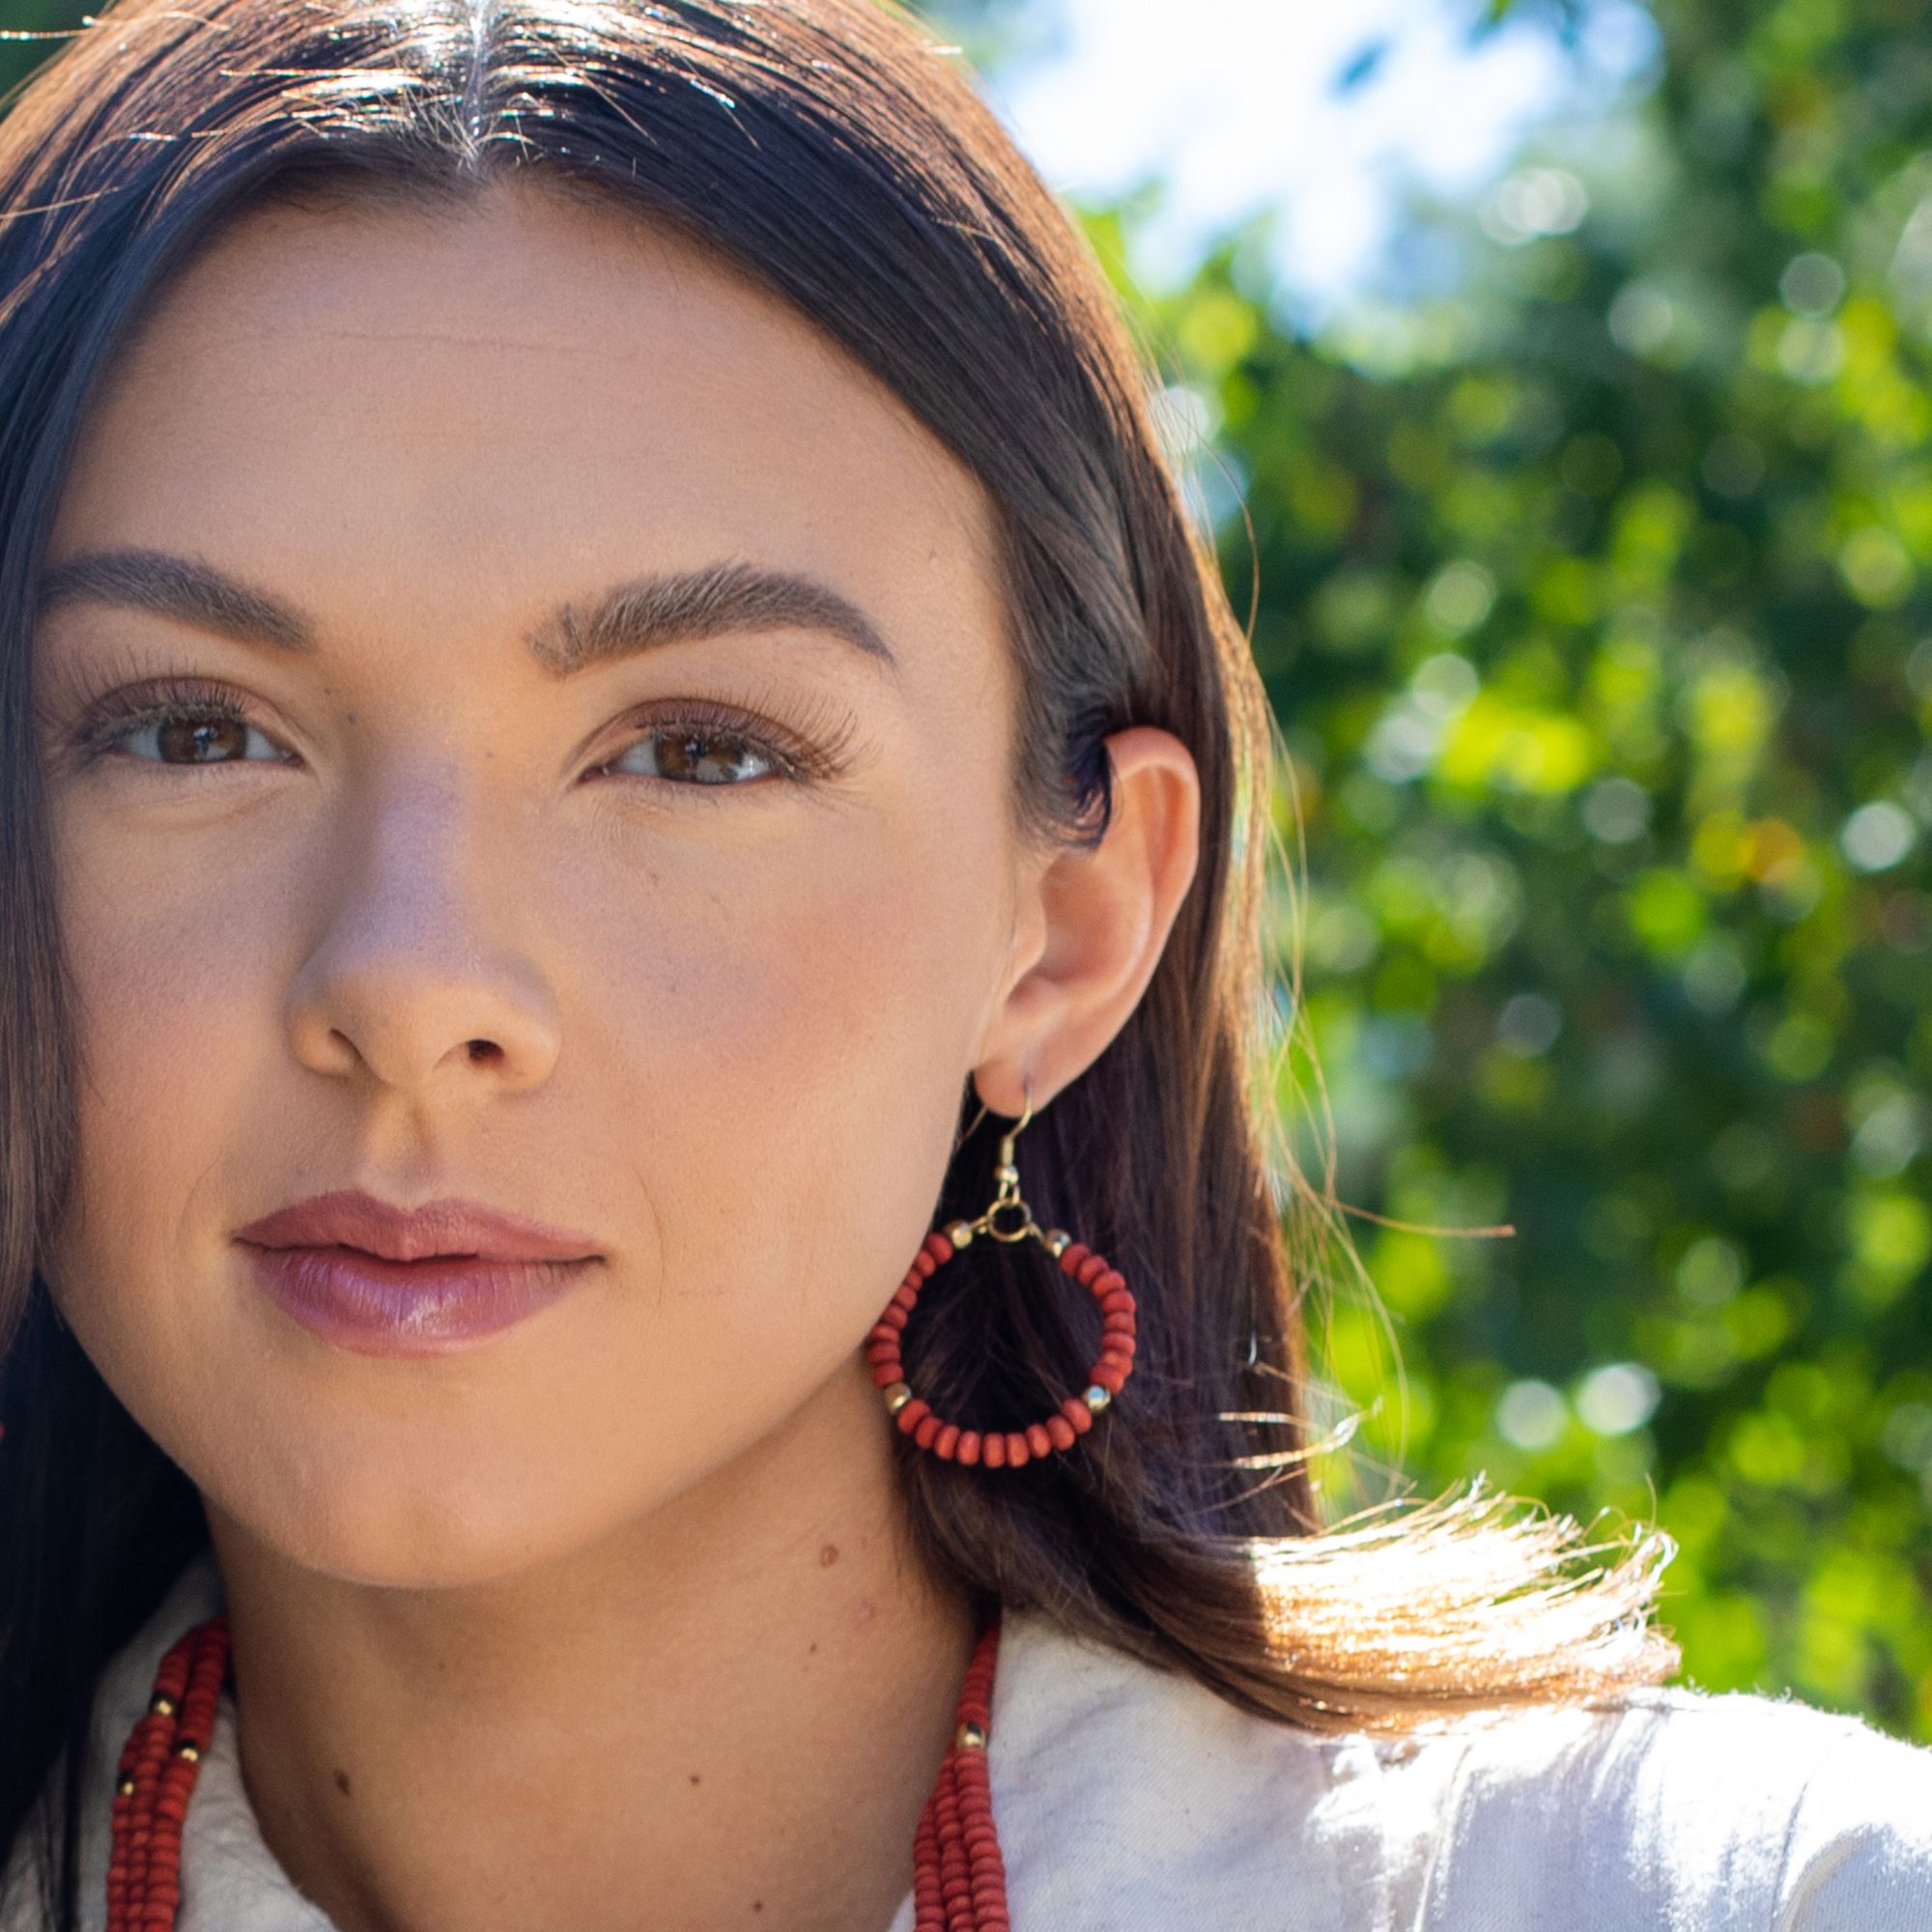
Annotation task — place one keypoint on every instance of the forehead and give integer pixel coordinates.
(526, 387)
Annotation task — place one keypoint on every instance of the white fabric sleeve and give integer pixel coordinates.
(1858, 1855)
(1686, 1812)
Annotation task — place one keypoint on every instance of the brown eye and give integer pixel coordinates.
(700, 744)
(198, 741)
(174, 726)
(683, 755)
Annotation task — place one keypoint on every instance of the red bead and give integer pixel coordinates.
(144, 1851)
(958, 1875)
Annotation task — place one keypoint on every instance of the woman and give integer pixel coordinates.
(642, 1287)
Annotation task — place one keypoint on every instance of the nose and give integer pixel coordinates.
(421, 974)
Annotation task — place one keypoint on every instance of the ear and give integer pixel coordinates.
(1092, 925)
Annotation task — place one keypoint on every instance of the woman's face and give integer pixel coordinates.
(723, 991)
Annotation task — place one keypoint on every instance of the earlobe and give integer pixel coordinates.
(1106, 914)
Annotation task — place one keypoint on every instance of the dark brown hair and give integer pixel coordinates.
(831, 149)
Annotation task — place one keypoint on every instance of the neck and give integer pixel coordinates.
(730, 1712)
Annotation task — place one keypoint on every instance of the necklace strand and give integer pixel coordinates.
(959, 1880)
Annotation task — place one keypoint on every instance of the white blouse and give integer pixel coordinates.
(1130, 1798)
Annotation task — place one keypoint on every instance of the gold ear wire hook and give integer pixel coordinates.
(1006, 1140)
(1006, 1182)
(1007, 1199)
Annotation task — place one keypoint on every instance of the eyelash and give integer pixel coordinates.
(810, 752)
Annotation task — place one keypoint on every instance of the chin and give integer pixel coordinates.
(398, 1527)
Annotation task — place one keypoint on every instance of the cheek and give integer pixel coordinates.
(174, 1061)
(788, 1049)
(183, 1085)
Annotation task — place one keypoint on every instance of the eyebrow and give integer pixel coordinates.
(636, 615)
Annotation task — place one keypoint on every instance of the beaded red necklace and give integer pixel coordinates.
(960, 1881)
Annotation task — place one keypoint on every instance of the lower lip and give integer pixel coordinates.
(377, 1307)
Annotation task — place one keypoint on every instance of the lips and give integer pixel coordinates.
(354, 1219)
(387, 1281)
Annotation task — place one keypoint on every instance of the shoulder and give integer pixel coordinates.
(1114, 1778)
(1678, 1808)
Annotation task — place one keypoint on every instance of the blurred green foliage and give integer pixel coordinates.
(1594, 574)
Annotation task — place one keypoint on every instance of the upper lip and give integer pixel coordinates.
(350, 1218)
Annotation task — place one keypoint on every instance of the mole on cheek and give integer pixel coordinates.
(342, 1783)
(828, 1556)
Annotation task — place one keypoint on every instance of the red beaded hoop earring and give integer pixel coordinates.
(1074, 1417)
